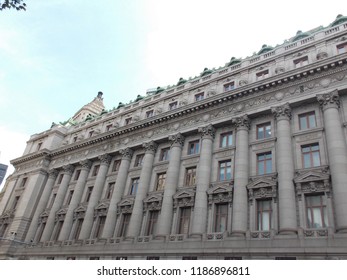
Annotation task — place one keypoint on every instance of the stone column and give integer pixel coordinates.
(95, 196)
(171, 182)
(42, 204)
(285, 170)
(75, 200)
(337, 154)
(58, 202)
(241, 176)
(203, 181)
(145, 177)
(118, 192)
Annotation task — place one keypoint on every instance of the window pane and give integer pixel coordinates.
(316, 159)
(269, 166)
(307, 162)
(312, 120)
(317, 218)
(261, 168)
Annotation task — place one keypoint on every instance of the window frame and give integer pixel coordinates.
(262, 74)
(127, 121)
(160, 183)
(218, 217)
(149, 114)
(139, 160)
(225, 168)
(322, 210)
(190, 176)
(306, 117)
(261, 211)
(229, 86)
(341, 48)
(89, 192)
(264, 162)
(124, 225)
(109, 190)
(185, 215)
(152, 223)
(96, 169)
(229, 138)
(266, 133)
(300, 62)
(164, 154)
(199, 96)
(116, 165)
(195, 149)
(311, 154)
(134, 186)
(173, 105)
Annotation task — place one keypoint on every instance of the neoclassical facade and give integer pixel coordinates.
(247, 161)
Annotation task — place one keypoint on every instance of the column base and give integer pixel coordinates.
(288, 231)
(238, 233)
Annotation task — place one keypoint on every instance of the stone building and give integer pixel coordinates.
(245, 161)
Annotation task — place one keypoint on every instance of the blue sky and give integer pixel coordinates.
(57, 55)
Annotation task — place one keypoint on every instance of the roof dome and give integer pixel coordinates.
(181, 81)
(264, 49)
(233, 61)
(206, 72)
(299, 35)
(159, 89)
(339, 19)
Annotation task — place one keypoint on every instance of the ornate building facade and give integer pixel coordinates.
(247, 161)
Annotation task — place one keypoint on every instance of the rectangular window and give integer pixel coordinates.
(226, 140)
(264, 163)
(109, 190)
(301, 62)
(184, 220)
(69, 197)
(307, 120)
(100, 226)
(264, 213)
(125, 224)
(341, 48)
(310, 155)
(224, 170)
(164, 154)
(221, 217)
(317, 216)
(88, 194)
(134, 185)
(96, 170)
(149, 114)
(39, 145)
(116, 165)
(173, 105)
(193, 147)
(199, 96)
(229, 86)
(52, 200)
(262, 75)
(190, 177)
(139, 160)
(15, 202)
(40, 232)
(60, 178)
(152, 222)
(161, 181)
(128, 121)
(263, 131)
(78, 228)
(57, 230)
(24, 181)
(77, 174)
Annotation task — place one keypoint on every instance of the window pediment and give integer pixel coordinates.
(262, 182)
(312, 175)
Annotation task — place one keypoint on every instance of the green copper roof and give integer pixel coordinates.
(299, 35)
(339, 19)
(181, 81)
(159, 89)
(264, 49)
(138, 98)
(206, 72)
(120, 105)
(233, 61)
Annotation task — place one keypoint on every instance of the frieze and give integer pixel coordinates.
(262, 146)
(310, 136)
(224, 154)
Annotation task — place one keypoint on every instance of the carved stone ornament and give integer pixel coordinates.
(68, 169)
(150, 146)
(53, 173)
(243, 83)
(105, 159)
(279, 70)
(207, 131)
(184, 198)
(242, 122)
(152, 202)
(101, 210)
(126, 153)
(322, 55)
(263, 187)
(125, 206)
(86, 164)
(283, 111)
(328, 100)
(177, 139)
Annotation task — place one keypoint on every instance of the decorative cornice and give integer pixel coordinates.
(282, 112)
(177, 139)
(329, 100)
(207, 131)
(105, 159)
(126, 153)
(150, 147)
(242, 122)
(86, 164)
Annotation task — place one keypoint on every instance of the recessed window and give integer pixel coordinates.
(173, 105)
(116, 165)
(193, 147)
(199, 96)
(139, 160)
(301, 62)
(317, 216)
(341, 48)
(229, 86)
(263, 131)
(77, 174)
(264, 163)
(134, 185)
(128, 121)
(224, 170)
(96, 170)
(221, 217)
(307, 120)
(57, 231)
(15, 202)
(52, 200)
(164, 154)
(24, 181)
(109, 190)
(226, 139)
(184, 220)
(152, 222)
(262, 75)
(190, 177)
(124, 225)
(69, 197)
(78, 228)
(99, 226)
(94, 258)
(60, 178)
(161, 181)
(149, 114)
(39, 145)
(264, 213)
(89, 194)
(310, 155)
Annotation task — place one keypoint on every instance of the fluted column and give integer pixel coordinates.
(172, 175)
(42, 204)
(145, 176)
(241, 177)
(75, 200)
(58, 202)
(337, 154)
(203, 180)
(118, 192)
(95, 196)
(285, 170)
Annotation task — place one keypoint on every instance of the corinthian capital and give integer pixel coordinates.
(150, 146)
(283, 111)
(53, 173)
(105, 159)
(207, 131)
(177, 139)
(86, 164)
(68, 169)
(242, 122)
(126, 153)
(329, 100)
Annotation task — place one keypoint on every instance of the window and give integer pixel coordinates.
(139, 160)
(57, 230)
(40, 232)
(341, 48)
(262, 75)
(190, 177)
(96, 170)
(125, 224)
(109, 190)
(100, 226)
(15, 202)
(89, 193)
(128, 121)
(307, 120)
(310, 155)
(108, 127)
(301, 62)
(264, 163)
(91, 133)
(3, 230)
(263, 131)
(60, 178)
(184, 220)
(77, 231)
(149, 114)
(264, 213)
(164, 154)
(116, 165)
(52, 200)
(173, 105)
(221, 217)
(161, 181)
(229, 86)
(193, 147)
(69, 197)
(24, 181)
(152, 222)
(224, 170)
(134, 185)
(316, 211)
(39, 145)
(226, 139)
(199, 96)
(77, 174)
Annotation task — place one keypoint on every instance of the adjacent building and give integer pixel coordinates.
(247, 161)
